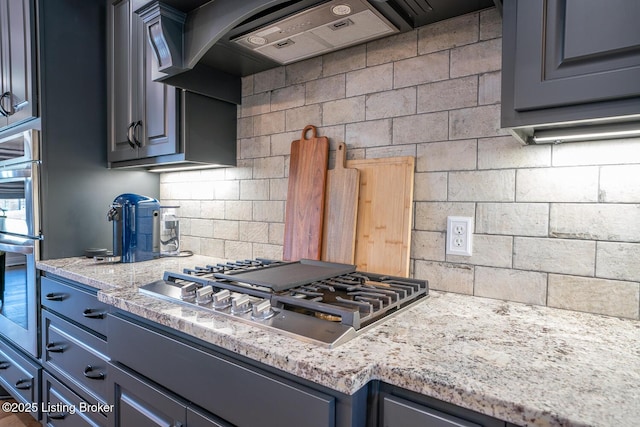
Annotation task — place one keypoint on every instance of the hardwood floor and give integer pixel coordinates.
(19, 419)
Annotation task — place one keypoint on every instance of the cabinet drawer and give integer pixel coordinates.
(75, 354)
(62, 407)
(402, 413)
(218, 384)
(19, 375)
(76, 304)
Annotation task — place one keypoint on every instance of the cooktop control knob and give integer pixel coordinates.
(222, 299)
(204, 295)
(188, 291)
(241, 304)
(262, 310)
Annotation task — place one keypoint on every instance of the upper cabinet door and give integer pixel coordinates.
(142, 112)
(562, 55)
(17, 26)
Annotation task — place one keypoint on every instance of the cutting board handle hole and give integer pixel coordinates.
(308, 128)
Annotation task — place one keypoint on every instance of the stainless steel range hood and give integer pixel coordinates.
(205, 46)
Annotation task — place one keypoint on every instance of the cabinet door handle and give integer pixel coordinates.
(129, 135)
(4, 365)
(93, 314)
(135, 126)
(54, 297)
(88, 372)
(23, 384)
(55, 348)
(4, 112)
(58, 416)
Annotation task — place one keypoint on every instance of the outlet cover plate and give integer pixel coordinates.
(459, 235)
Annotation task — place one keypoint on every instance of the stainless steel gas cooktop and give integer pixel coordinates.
(314, 301)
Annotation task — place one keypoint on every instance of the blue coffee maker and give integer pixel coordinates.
(136, 227)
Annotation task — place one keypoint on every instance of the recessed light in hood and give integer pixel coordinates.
(329, 26)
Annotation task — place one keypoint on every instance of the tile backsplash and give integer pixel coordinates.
(554, 225)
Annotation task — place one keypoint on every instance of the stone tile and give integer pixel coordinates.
(513, 219)
(245, 127)
(427, 245)
(555, 255)
(391, 151)
(254, 147)
(613, 298)
(448, 95)
(505, 152)
(243, 170)
(207, 209)
(512, 285)
(201, 227)
(369, 80)
(210, 247)
(575, 184)
(368, 134)
(490, 24)
(620, 184)
(447, 156)
(268, 167)
(448, 34)
(347, 110)
(618, 261)
(278, 189)
(401, 102)
(247, 85)
(344, 60)
(237, 250)
(421, 128)
(268, 124)
(432, 216)
(475, 122)
(238, 210)
(326, 89)
(226, 230)
(485, 186)
(488, 250)
(303, 71)
(288, 97)
(421, 69)
(269, 80)
(446, 277)
(393, 48)
(430, 186)
(281, 142)
(297, 118)
(201, 190)
(255, 189)
(227, 190)
(612, 152)
(477, 58)
(276, 235)
(261, 250)
(255, 104)
(490, 88)
(609, 222)
(255, 232)
(268, 211)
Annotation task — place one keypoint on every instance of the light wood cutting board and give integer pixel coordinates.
(304, 209)
(340, 211)
(385, 209)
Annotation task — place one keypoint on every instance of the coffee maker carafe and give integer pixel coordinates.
(136, 227)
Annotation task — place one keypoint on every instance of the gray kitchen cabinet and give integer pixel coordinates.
(17, 53)
(151, 123)
(398, 407)
(569, 60)
(63, 407)
(21, 377)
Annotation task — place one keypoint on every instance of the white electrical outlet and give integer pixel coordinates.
(459, 235)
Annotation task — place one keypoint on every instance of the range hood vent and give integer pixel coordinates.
(330, 26)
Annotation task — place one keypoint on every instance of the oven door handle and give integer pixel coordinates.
(17, 245)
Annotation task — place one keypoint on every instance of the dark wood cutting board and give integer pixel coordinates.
(340, 211)
(304, 213)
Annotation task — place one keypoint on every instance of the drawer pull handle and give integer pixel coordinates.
(55, 348)
(58, 416)
(5, 365)
(23, 384)
(91, 375)
(92, 314)
(54, 297)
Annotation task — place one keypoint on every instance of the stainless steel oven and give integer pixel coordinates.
(19, 239)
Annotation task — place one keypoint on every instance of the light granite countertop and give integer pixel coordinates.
(528, 365)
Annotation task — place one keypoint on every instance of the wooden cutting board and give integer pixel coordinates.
(340, 211)
(304, 212)
(385, 208)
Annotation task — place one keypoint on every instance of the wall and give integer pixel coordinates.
(554, 225)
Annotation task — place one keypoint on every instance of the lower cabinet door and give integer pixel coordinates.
(141, 404)
(402, 413)
(62, 407)
(199, 418)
